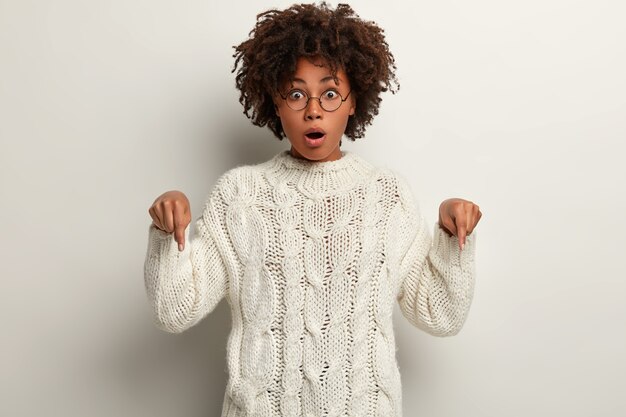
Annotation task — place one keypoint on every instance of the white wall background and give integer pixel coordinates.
(517, 106)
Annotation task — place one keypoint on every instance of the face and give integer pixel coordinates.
(313, 132)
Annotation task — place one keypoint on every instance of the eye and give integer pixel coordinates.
(330, 95)
(295, 95)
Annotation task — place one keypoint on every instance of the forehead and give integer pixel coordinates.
(313, 71)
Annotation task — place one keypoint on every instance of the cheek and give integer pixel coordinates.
(287, 122)
(345, 118)
(284, 119)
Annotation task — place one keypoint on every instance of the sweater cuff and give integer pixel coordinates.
(447, 248)
(161, 238)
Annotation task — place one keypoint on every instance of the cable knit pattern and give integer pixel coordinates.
(311, 257)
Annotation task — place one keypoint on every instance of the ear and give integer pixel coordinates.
(276, 110)
(352, 106)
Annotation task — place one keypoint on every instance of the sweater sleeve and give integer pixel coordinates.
(184, 287)
(437, 277)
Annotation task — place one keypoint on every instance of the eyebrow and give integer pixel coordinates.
(323, 80)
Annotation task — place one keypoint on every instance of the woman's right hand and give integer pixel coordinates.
(170, 212)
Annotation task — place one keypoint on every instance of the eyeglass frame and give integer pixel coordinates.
(319, 99)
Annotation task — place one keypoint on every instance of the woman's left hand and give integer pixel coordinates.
(458, 217)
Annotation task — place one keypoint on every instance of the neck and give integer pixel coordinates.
(333, 156)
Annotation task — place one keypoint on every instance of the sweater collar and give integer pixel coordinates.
(316, 179)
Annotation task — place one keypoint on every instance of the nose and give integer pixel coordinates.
(313, 109)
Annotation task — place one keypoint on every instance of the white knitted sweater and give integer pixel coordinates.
(311, 257)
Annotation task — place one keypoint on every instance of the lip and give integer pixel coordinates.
(314, 143)
(313, 130)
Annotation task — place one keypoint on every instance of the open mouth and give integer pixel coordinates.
(314, 135)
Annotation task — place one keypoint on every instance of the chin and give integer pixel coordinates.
(315, 153)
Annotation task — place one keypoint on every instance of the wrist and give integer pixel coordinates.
(440, 223)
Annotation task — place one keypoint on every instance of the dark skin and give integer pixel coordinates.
(458, 217)
(170, 212)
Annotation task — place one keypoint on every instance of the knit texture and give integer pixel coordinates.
(311, 257)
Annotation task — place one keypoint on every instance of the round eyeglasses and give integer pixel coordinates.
(330, 100)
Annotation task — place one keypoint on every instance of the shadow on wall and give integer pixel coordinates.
(165, 374)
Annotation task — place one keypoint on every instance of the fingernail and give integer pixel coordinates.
(462, 246)
(180, 247)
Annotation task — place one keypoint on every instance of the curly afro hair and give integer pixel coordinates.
(342, 39)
